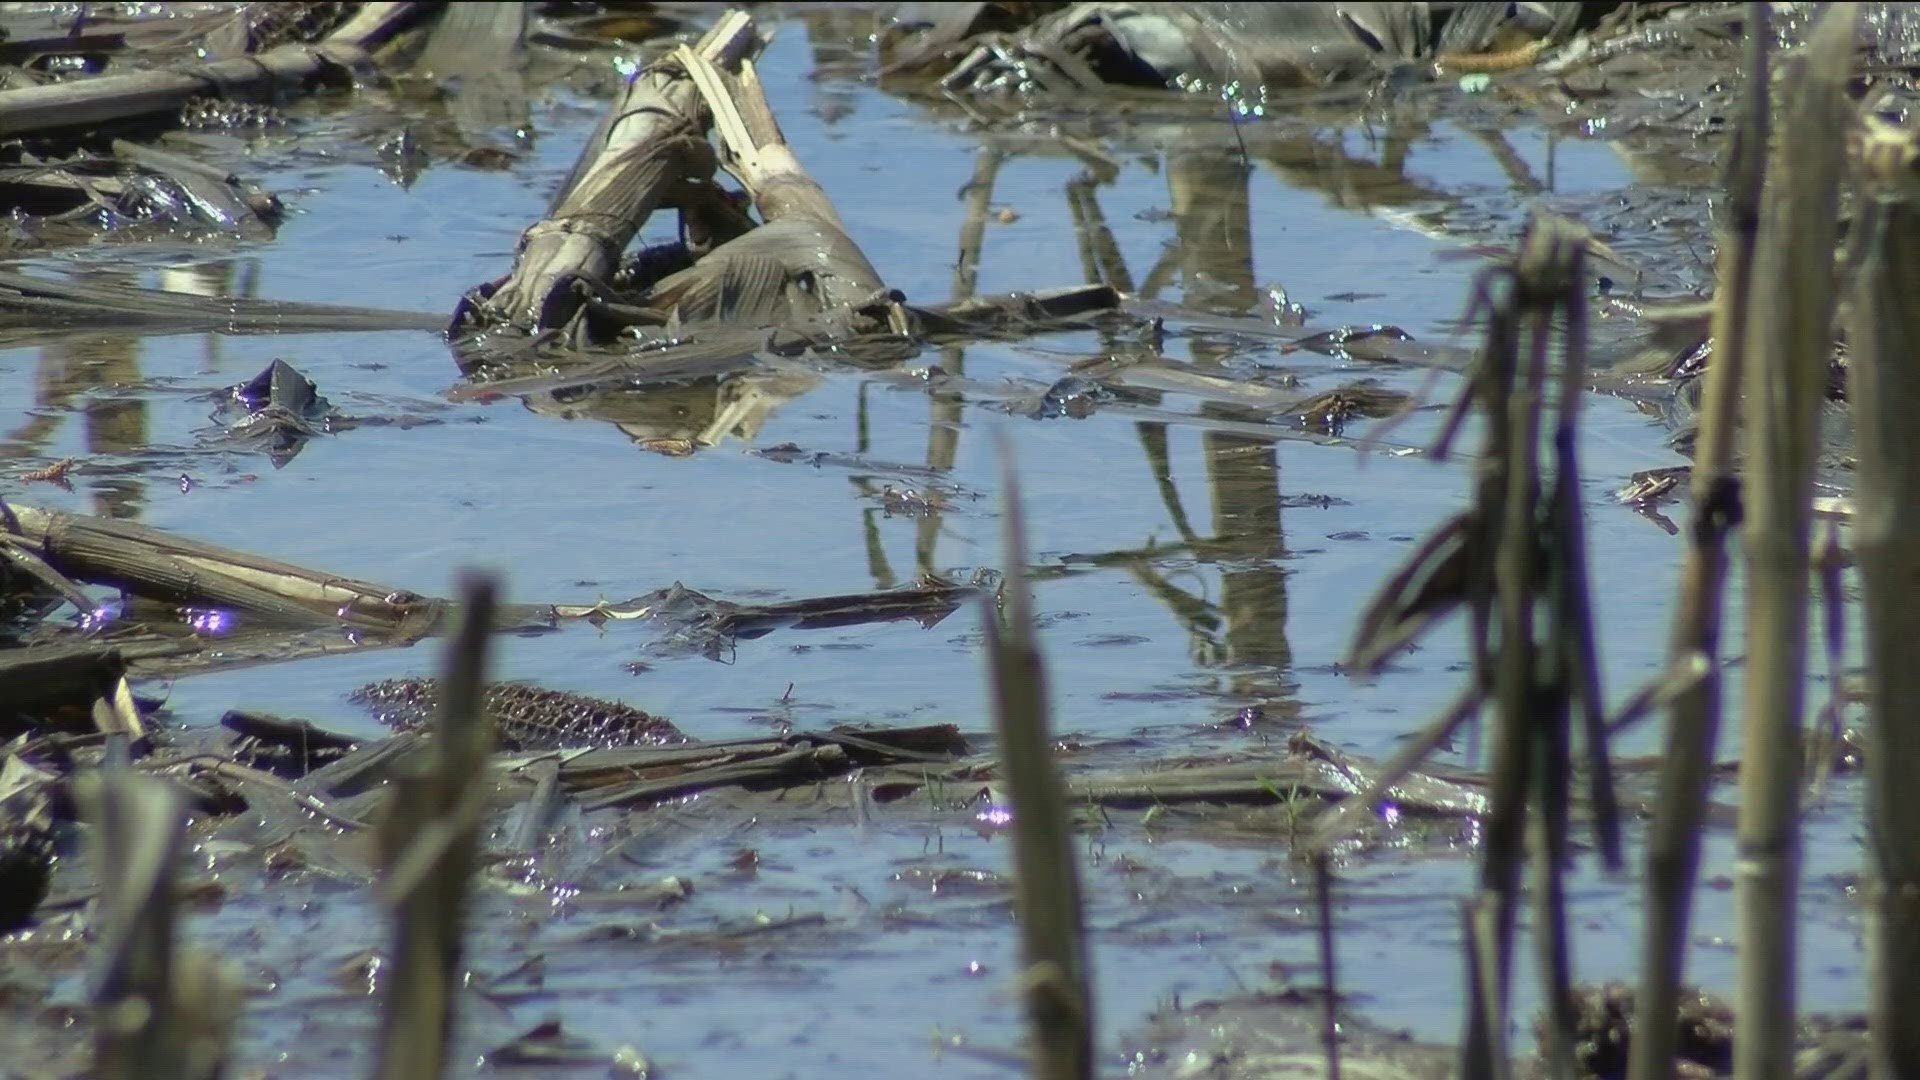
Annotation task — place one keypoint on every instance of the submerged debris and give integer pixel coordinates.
(31, 306)
(1233, 50)
(288, 748)
(1274, 1033)
(908, 502)
(204, 113)
(55, 473)
(1650, 487)
(1073, 396)
(1605, 1033)
(1352, 342)
(278, 410)
(134, 187)
(527, 717)
(26, 840)
(1330, 410)
(693, 622)
(635, 776)
(256, 54)
(1312, 769)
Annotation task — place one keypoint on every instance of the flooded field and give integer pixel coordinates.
(1198, 562)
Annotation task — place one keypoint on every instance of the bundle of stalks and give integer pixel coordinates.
(1516, 561)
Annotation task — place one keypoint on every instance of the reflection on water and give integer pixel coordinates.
(117, 428)
(1243, 627)
(97, 373)
(678, 419)
(1212, 249)
(98, 376)
(1224, 587)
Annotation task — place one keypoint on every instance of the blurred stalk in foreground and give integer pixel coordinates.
(1884, 386)
(428, 843)
(160, 1009)
(1054, 980)
(1789, 338)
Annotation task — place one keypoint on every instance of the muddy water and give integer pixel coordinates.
(1189, 570)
